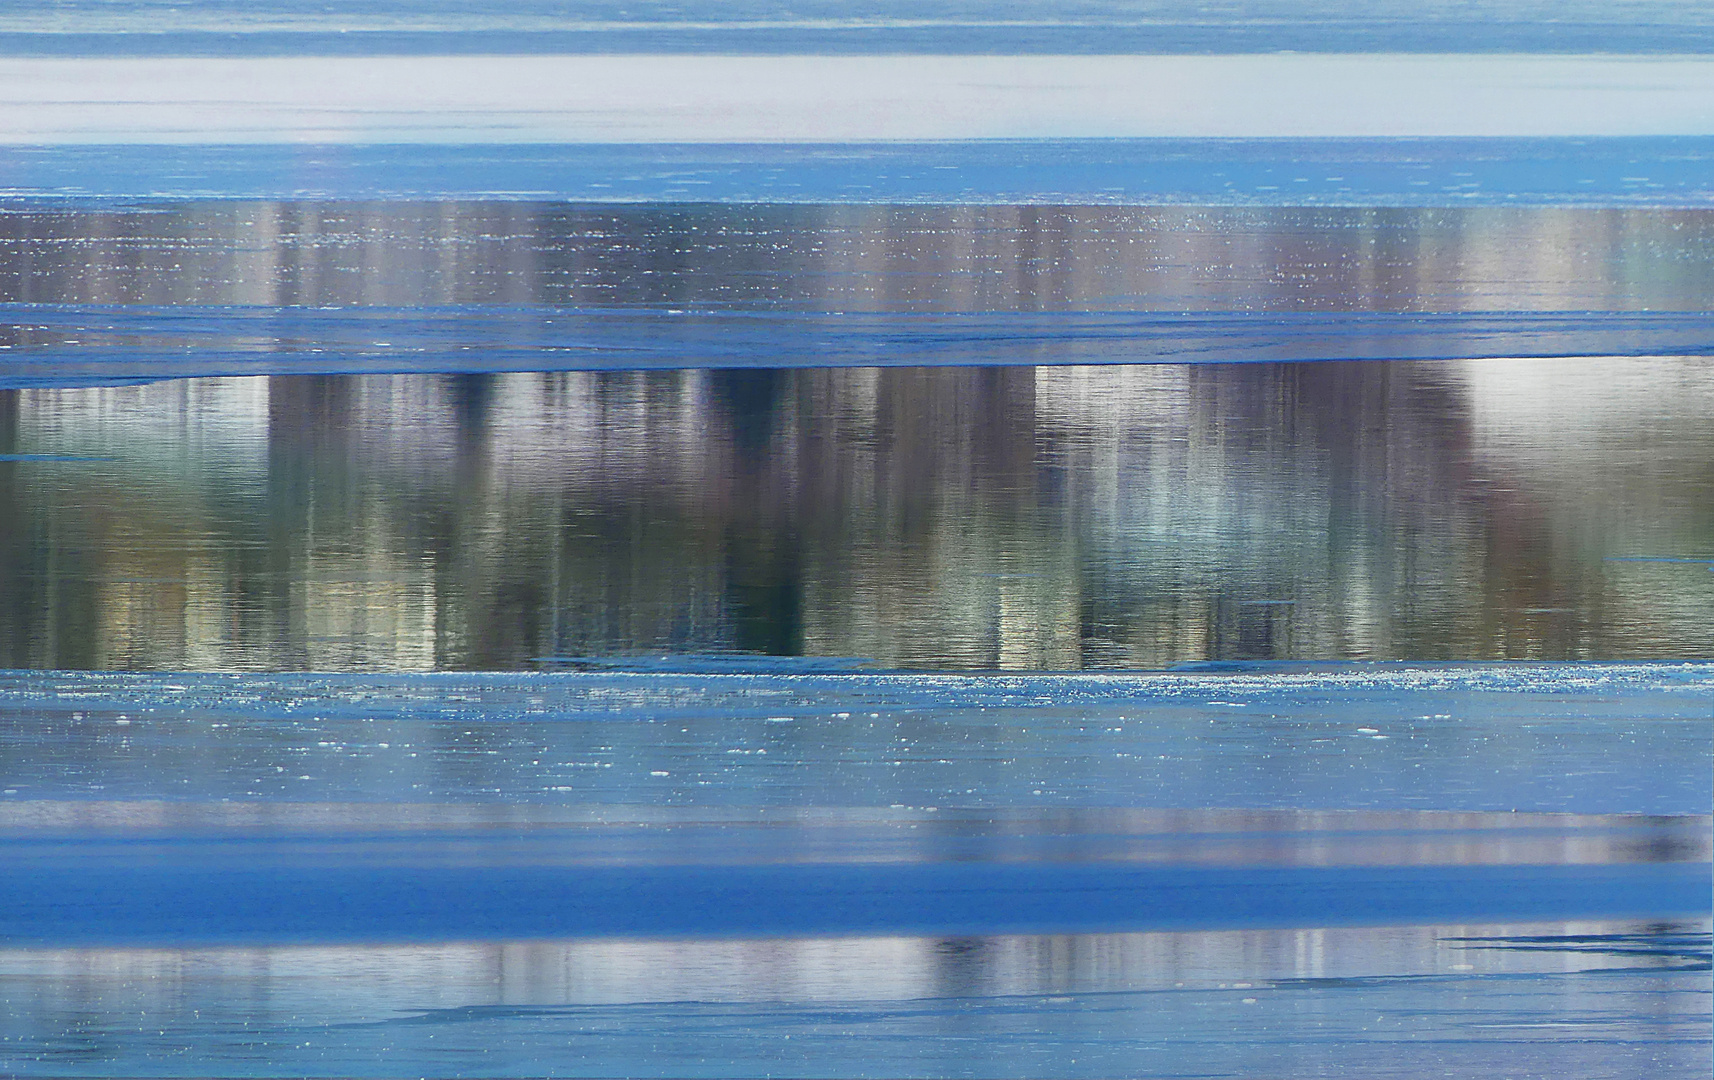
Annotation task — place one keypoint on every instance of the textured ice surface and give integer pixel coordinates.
(461, 918)
(804, 867)
(1577, 738)
(249, 288)
(148, 809)
(1564, 1000)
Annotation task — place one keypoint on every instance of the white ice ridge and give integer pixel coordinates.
(701, 99)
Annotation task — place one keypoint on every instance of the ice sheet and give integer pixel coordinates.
(1580, 738)
(1583, 999)
(846, 99)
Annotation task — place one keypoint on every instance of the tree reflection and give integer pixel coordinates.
(1051, 518)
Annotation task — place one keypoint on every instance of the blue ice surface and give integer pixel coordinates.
(70, 345)
(438, 27)
(1626, 1023)
(105, 968)
(775, 804)
(1391, 172)
(1583, 738)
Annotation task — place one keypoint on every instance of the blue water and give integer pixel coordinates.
(1381, 172)
(189, 342)
(168, 897)
(1449, 869)
(216, 287)
(83, 346)
(438, 27)
(124, 799)
(791, 486)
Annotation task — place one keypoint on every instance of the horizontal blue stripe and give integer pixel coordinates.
(68, 345)
(961, 37)
(1676, 171)
(179, 904)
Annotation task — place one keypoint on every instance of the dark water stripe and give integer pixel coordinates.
(67, 345)
(97, 904)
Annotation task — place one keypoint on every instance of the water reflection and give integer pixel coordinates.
(331, 983)
(858, 258)
(1052, 518)
(1388, 1002)
(524, 833)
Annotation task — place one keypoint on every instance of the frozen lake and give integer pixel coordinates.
(509, 637)
(1536, 1000)
(838, 875)
(1023, 539)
